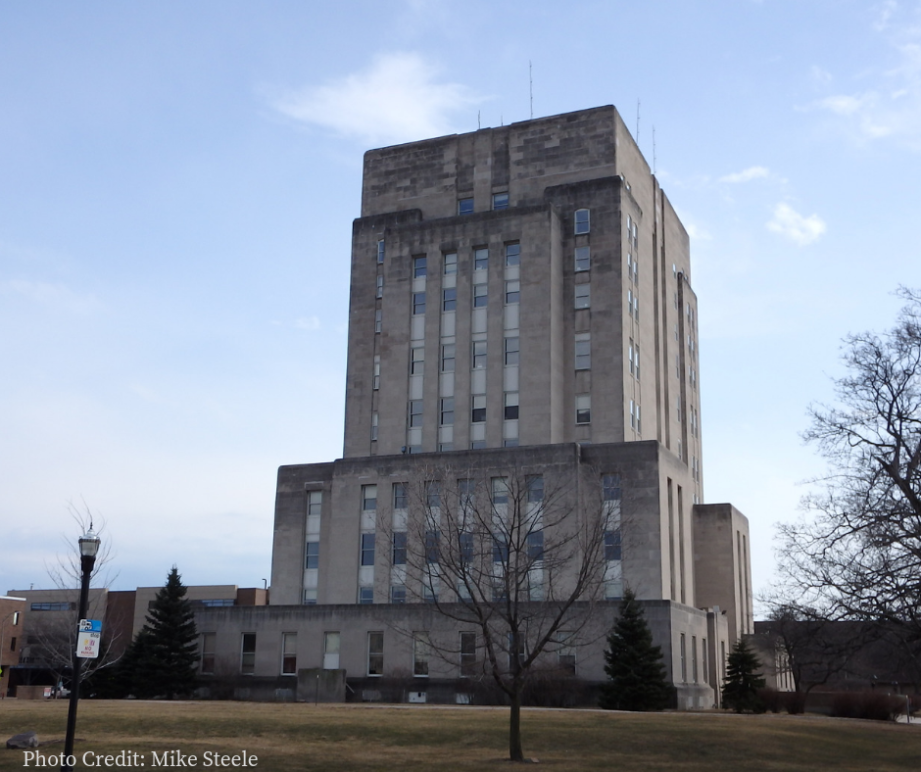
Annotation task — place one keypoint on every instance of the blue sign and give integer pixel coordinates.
(90, 626)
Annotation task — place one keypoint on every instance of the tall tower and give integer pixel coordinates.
(519, 286)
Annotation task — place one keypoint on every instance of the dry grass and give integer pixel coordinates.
(331, 738)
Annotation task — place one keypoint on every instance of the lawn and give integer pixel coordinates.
(340, 737)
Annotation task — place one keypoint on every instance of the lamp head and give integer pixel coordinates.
(89, 544)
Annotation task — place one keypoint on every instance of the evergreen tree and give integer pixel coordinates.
(162, 658)
(635, 668)
(740, 691)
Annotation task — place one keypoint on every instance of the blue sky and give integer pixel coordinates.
(178, 181)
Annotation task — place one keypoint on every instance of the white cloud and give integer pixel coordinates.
(310, 323)
(396, 99)
(884, 14)
(799, 229)
(751, 173)
(58, 296)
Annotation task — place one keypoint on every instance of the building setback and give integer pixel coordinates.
(520, 308)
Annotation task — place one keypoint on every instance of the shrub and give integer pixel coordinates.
(870, 705)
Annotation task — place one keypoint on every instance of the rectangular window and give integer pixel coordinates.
(535, 485)
(582, 221)
(376, 381)
(636, 357)
(432, 555)
(433, 494)
(289, 653)
(368, 498)
(704, 659)
(479, 354)
(583, 295)
(630, 356)
(632, 414)
(421, 654)
(636, 305)
(465, 206)
(419, 267)
(400, 498)
(610, 487)
(451, 262)
(612, 547)
(312, 559)
(583, 408)
(380, 287)
(314, 502)
(500, 490)
(480, 259)
(367, 549)
(374, 422)
(511, 405)
(536, 546)
(465, 548)
(429, 593)
(415, 412)
(447, 411)
(248, 653)
(208, 643)
(583, 258)
(511, 351)
(376, 654)
(447, 357)
(499, 549)
(417, 361)
(478, 412)
(466, 494)
(310, 596)
(380, 251)
(478, 445)
(399, 548)
(479, 296)
(639, 420)
(512, 292)
(500, 201)
(468, 655)
(365, 596)
(378, 319)
(512, 254)
(398, 594)
(449, 299)
(682, 649)
(694, 658)
(583, 351)
(418, 303)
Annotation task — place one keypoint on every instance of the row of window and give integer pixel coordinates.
(480, 260)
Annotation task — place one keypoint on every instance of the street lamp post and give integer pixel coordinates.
(89, 546)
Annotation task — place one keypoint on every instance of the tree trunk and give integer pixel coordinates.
(515, 752)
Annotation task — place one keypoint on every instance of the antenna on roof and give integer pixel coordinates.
(531, 87)
(637, 121)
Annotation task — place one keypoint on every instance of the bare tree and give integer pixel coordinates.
(518, 557)
(859, 556)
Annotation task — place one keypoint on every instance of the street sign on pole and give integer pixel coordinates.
(89, 637)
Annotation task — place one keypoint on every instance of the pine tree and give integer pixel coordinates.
(635, 668)
(162, 658)
(740, 691)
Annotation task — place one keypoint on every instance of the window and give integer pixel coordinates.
(398, 594)
(512, 254)
(248, 653)
(480, 259)
(478, 445)
(379, 319)
(314, 502)
(380, 287)
(433, 494)
(610, 487)
(380, 251)
(694, 658)
(535, 485)
(511, 405)
(632, 414)
(612, 547)
(583, 258)
(367, 549)
(418, 303)
(365, 596)
(421, 653)
(468, 655)
(499, 549)
(53, 606)
(465, 548)
(415, 412)
(310, 596)
(683, 654)
(376, 382)
(447, 411)
(582, 221)
(636, 305)
(417, 361)
(289, 653)
(583, 408)
(511, 351)
(479, 296)
(636, 356)
(500, 490)
(447, 358)
(583, 351)
(368, 498)
(536, 546)
(465, 206)
(400, 497)
(449, 299)
(478, 413)
(500, 200)
(630, 356)
(431, 546)
(399, 548)
(419, 267)
(376, 654)
(704, 658)
(208, 642)
(374, 422)
(429, 593)
(451, 262)
(511, 442)
(15, 618)
(583, 295)
(479, 354)
(312, 559)
(512, 292)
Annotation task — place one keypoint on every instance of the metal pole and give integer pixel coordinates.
(86, 568)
